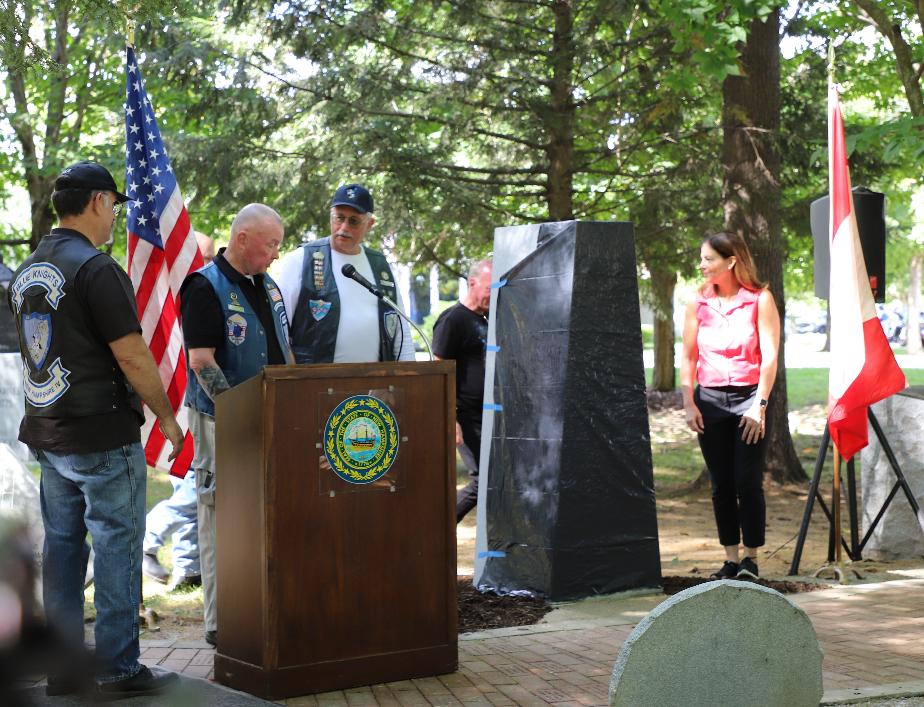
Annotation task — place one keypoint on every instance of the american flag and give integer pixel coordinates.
(162, 250)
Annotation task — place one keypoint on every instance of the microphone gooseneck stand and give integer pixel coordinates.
(350, 272)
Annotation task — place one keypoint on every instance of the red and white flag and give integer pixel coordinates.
(863, 367)
(162, 251)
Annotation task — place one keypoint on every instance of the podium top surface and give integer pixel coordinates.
(358, 370)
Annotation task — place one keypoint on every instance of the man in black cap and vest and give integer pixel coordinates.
(85, 364)
(334, 318)
(234, 323)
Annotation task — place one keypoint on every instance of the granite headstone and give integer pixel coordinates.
(725, 642)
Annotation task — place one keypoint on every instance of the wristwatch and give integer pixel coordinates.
(763, 402)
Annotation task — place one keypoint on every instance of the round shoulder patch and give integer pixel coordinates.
(361, 439)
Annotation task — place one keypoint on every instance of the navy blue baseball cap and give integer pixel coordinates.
(354, 195)
(88, 175)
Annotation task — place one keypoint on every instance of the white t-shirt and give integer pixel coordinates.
(358, 329)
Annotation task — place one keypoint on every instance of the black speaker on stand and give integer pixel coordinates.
(870, 209)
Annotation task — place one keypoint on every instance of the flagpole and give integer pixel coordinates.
(836, 507)
(836, 568)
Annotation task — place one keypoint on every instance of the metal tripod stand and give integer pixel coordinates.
(835, 541)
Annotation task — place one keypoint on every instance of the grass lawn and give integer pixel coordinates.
(679, 462)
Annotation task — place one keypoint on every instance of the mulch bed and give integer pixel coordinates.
(479, 611)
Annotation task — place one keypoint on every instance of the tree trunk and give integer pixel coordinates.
(662, 288)
(913, 324)
(43, 217)
(560, 121)
(751, 195)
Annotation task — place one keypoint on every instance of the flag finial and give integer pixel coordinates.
(130, 32)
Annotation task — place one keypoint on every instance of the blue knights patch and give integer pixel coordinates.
(43, 394)
(319, 308)
(237, 329)
(36, 329)
(44, 275)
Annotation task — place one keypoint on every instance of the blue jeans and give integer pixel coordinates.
(177, 515)
(103, 493)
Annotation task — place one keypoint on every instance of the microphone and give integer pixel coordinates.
(349, 271)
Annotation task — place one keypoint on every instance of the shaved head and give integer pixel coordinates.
(256, 234)
(252, 215)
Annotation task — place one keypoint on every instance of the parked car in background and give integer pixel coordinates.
(813, 323)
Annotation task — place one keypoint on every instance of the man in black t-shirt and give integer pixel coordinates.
(234, 323)
(461, 333)
(85, 364)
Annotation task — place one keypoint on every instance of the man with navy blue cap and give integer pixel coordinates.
(334, 318)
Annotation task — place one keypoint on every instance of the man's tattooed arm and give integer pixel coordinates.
(212, 380)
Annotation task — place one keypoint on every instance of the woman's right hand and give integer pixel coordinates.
(694, 418)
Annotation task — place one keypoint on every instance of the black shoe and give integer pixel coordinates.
(150, 567)
(147, 681)
(185, 584)
(211, 637)
(729, 570)
(747, 569)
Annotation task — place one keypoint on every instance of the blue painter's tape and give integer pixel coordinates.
(497, 285)
(493, 406)
(491, 553)
(492, 348)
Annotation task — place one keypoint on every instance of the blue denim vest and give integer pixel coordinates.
(243, 352)
(314, 336)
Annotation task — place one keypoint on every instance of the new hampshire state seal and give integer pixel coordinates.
(361, 439)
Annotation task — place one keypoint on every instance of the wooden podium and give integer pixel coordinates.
(324, 584)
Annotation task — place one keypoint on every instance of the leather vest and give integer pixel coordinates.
(68, 370)
(317, 314)
(244, 351)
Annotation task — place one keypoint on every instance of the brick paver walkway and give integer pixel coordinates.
(872, 635)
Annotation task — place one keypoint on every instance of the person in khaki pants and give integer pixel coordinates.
(234, 323)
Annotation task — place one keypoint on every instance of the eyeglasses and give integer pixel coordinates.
(116, 206)
(353, 221)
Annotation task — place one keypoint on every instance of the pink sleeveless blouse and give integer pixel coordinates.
(729, 344)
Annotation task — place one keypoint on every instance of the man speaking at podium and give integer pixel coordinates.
(334, 318)
(234, 323)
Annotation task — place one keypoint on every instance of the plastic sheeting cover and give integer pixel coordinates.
(570, 490)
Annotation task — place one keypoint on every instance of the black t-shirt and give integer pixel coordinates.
(461, 334)
(204, 318)
(106, 293)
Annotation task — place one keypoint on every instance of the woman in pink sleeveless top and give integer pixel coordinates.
(731, 337)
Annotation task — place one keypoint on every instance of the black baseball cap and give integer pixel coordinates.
(355, 195)
(88, 175)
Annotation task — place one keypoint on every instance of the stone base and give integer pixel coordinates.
(898, 534)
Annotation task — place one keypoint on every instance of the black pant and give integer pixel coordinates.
(467, 497)
(735, 467)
